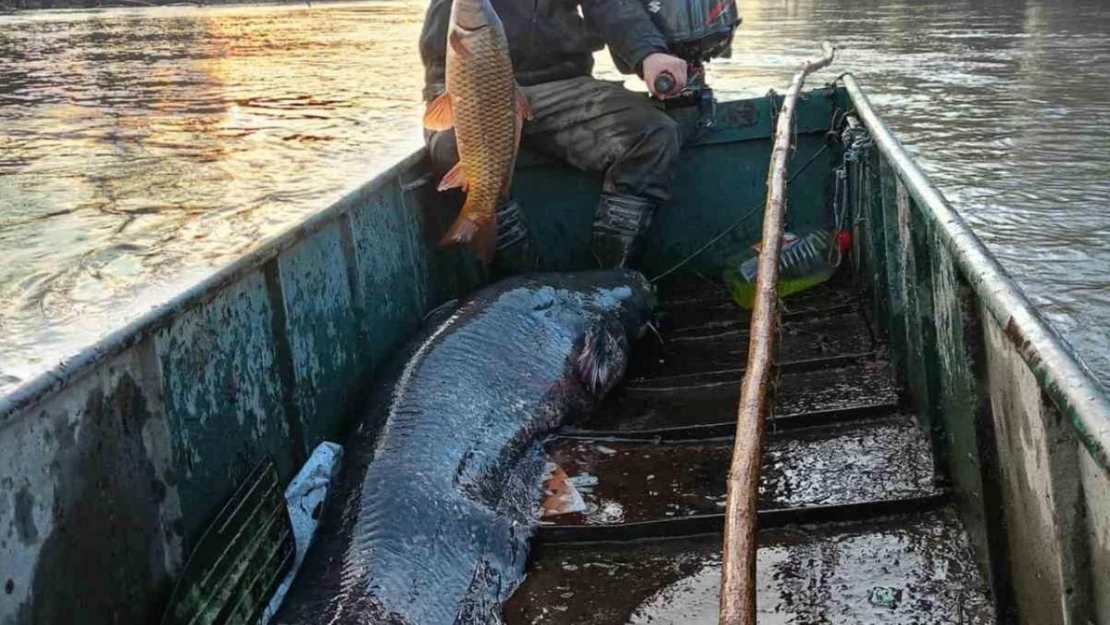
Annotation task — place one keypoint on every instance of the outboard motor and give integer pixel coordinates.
(696, 31)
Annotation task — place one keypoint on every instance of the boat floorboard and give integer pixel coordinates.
(864, 382)
(894, 570)
(810, 338)
(855, 528)
(853, 462)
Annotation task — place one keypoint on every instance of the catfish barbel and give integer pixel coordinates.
(486, 107)
(430, 520)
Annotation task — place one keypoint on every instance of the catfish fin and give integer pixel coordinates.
(438, 115)
(604, 356)
(454, 178)
(457, 44)
(523, 108)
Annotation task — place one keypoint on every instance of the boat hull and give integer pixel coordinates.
(124, 454)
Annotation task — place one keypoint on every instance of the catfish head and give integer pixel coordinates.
(622, 304)
(604, 357)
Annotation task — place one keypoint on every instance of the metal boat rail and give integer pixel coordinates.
(1022, 425)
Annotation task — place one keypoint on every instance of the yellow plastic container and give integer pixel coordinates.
(804, 262)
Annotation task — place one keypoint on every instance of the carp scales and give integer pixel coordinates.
(486, 107)
(430, 521)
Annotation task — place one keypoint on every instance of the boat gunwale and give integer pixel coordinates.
(75, 367)
(72, 369)
(1070, 384)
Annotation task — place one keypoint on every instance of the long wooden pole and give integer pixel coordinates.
(738, 555)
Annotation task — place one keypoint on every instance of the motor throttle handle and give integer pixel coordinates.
(664, 83)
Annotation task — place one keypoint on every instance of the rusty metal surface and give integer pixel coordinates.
(223, 395)
(322, 332)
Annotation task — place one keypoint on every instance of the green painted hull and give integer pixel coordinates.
(124, 455)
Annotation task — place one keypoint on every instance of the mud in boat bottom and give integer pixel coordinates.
(883, 571)
(856, 527)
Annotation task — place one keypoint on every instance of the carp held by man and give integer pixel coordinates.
(484, 104)
(440, 494)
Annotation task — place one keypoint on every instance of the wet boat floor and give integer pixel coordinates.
(853, 527)
(910, 570)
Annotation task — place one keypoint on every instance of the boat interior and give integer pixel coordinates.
(935, 453)
(856, 523)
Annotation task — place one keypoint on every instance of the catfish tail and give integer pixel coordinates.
(482, 236)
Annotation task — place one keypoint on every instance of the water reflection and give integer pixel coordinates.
(141, 148)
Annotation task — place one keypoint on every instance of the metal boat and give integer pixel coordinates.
(937, 453)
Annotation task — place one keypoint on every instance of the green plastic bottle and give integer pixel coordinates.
(804, 261)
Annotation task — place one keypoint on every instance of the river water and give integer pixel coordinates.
(142, 148)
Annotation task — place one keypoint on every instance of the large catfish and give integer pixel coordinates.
(486, 107)
(430, 521)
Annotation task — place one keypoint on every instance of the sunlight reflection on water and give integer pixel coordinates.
(141, 148)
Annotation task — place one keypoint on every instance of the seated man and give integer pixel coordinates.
(594, 125)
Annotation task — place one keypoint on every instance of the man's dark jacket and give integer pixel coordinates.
(549, 40)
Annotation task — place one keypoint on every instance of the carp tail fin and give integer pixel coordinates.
(482, 237)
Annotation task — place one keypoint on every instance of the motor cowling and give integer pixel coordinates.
(696, 30)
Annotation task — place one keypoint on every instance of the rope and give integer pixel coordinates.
(722, 234)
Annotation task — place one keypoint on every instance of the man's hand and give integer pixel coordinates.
(656, 63)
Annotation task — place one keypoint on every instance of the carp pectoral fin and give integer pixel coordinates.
(603, 358)
(454, 178)
(523, 108)
(457, 44)
(482, 237)
(438, 115)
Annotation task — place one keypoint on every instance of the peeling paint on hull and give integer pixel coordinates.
(1022, 427)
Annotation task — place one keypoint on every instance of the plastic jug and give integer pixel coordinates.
(804, 261)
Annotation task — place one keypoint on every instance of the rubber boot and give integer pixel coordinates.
(515, 251)
(619, 226)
